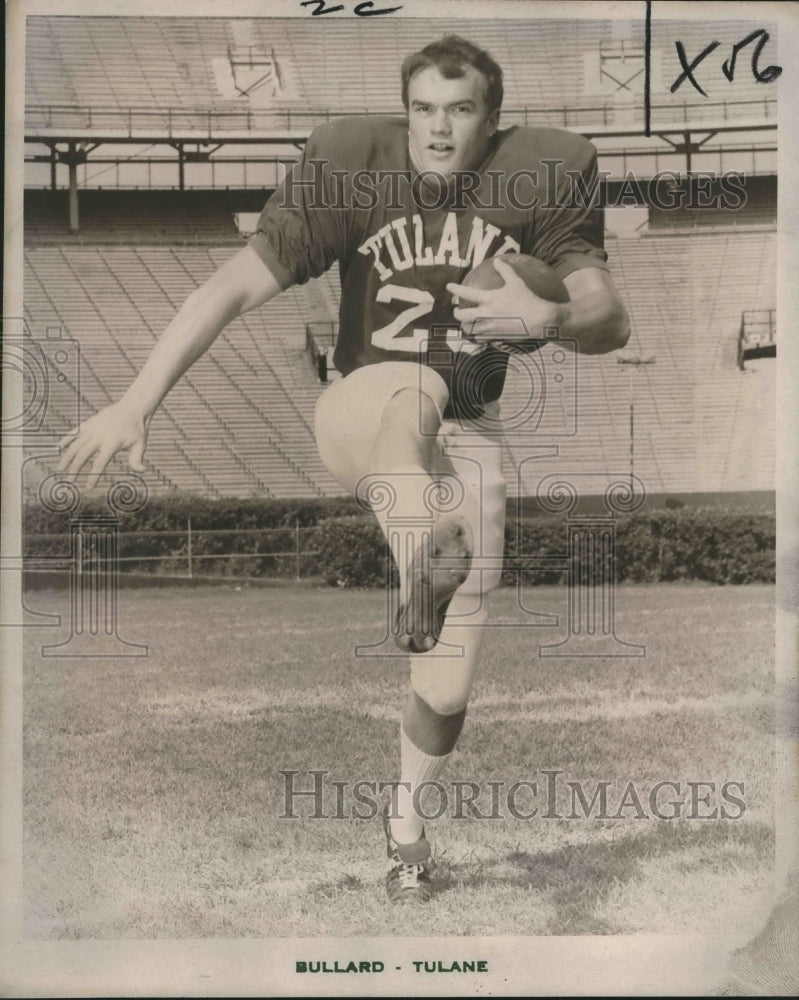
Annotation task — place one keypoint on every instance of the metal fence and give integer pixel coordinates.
(284, 552)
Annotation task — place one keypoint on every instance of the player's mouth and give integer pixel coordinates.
(441, 148)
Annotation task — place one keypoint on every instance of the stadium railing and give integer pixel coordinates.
(138, 122)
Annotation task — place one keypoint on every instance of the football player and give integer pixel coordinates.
(407, 207)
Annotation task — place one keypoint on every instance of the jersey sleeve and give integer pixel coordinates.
(570, 228)
(302, 229)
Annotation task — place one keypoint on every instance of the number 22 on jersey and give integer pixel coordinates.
(388, 338)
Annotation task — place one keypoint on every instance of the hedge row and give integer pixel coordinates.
(172, 512)
(246, 526)
(690, 544)
(352, 552)
(347, 548)
(708, 545)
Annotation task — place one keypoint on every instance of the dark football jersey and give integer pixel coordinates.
(399, 237)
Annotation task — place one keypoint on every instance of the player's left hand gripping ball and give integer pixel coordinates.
(513, 298)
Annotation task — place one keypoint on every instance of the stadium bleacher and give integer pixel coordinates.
(123, 62)
(139, 62)
(250, 402)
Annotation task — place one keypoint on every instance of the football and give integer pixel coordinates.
(539, 278)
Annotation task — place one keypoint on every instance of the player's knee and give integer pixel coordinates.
(413, 410)
(441, 700)
(445, 690)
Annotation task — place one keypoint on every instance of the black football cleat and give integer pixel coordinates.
(408, 878)
(434, 578)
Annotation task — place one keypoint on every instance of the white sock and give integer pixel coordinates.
(416, 767)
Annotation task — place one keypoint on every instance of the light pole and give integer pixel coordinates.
(636, 362)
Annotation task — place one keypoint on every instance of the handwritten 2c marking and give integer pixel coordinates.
(365, 8)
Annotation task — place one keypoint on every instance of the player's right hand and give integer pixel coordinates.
(117, 427)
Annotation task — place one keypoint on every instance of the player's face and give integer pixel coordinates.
(449, 125)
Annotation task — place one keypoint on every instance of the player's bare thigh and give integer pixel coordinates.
(350, 411)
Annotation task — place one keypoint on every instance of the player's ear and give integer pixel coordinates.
(492, 122)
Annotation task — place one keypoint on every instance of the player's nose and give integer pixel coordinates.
(441, 124)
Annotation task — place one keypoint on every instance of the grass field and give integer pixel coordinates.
(153, 795)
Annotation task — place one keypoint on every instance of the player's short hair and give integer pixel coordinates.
(451, 56)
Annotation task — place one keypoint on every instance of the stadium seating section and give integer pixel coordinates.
(241, 422)
(133, 62)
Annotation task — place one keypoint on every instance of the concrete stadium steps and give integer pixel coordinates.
(127, 62)
(244, 414)
(755, 429)
(685, 295)
(731, 272)
(653, 289)
(157, 63)
(736, 415)
(735, 411)
(54, 298)
(250, 399)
